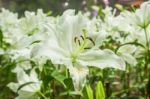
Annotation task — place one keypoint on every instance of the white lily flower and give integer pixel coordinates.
(8, 22)
(32, 23)
(142, 15)
(28, 91)
(28, 29)
(7, 19)
(126, 52)
(69, 46)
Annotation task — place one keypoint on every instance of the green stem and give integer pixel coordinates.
(67, 73)
(42, 95)
(68, 76)
(147, 41)
(147, 56)
(146, 61)
(128, 78)
(53, 85)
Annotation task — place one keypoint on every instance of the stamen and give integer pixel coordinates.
(87, 48)
(82, 37)
(91, 40)
(79, 42)
(75, 39)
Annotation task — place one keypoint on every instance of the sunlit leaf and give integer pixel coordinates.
(88, 92)
(100, 93)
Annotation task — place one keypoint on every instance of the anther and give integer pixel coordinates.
(82, 37)
(75, 39)
(91, 40)
(87, 48)
(79, 42)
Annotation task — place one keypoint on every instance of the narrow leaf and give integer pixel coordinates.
(88, 92)
(100, 94)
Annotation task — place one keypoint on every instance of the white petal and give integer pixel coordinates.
(22, 77)
(127, 49)
(69, 27)
(53, 52)
(13, 86)
(78, 75)
(129, 59)
(26, 95)
(101, 59)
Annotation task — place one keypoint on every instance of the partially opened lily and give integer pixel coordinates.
(71, 45)
(142, 15)
(28, 86)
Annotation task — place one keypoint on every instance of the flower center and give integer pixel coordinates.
(81, 41)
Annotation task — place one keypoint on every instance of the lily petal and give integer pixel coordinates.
(51, 50)
(101, 59)
(78, 75)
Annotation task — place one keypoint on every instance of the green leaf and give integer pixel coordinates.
(88, 92)
(100, 93)
(69, 84)
(23, 85)
(59, 77)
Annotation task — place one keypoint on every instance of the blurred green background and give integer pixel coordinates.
(56, 6)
